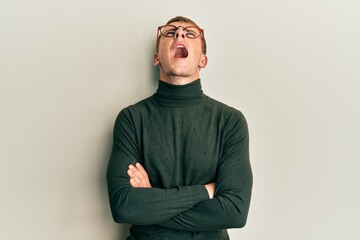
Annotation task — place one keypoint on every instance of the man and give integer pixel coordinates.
(179, 167)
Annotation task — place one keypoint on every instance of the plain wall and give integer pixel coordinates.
(68, 67)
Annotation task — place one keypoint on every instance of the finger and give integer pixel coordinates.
(130, 173)
(136, 182)
(145, 178)
(136, 171)
(141, 169)
(133, 183)
(139, 175)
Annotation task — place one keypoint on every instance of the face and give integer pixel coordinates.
(179, 56)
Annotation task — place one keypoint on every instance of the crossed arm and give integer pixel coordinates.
(139, 178)
(227, 207)
(184, 208)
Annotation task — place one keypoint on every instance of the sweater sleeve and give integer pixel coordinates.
(141, 206)
(229, 208)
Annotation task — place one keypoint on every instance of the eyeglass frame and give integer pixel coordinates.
(177, 27)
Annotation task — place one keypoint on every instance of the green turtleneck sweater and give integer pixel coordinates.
(184, 139)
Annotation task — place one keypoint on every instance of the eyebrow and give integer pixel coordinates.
(191, 26)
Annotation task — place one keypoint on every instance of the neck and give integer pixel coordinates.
(178, 80)
(170, 95)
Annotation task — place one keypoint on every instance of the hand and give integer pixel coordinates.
(138, 176)
(210, 187)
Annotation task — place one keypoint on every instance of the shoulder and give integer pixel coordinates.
(139, 107)
(136, 110)
(224, 110)
(231, 120)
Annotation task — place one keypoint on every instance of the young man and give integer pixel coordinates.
(179, 167)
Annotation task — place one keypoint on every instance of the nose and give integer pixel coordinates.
(180, 33)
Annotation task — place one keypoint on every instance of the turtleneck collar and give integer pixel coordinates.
(170, 95)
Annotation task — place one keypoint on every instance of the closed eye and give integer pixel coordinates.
(170, 33)
(191, 34)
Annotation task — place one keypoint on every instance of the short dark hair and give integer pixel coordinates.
(187, 20)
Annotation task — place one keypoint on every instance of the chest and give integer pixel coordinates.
(181, 147)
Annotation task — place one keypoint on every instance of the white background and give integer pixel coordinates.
(68, 67)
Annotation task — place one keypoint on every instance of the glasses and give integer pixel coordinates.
(190, 31)
(169, 31)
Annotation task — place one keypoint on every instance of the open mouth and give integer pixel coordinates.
(180, 52)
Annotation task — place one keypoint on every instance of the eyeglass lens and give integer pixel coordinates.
(190, 32)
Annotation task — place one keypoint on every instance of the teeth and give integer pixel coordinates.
(179, 46)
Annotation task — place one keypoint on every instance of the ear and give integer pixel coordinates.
(203, 61)
(156, 59)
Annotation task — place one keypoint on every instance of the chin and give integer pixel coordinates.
(180, 74)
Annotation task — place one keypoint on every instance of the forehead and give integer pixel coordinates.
(184, 24)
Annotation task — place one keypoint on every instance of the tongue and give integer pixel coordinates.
(180, 53)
